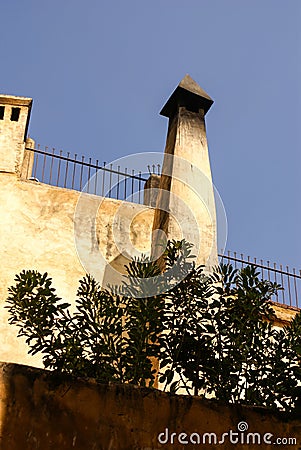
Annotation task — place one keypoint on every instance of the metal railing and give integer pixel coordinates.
(288, 279)
(83, 174)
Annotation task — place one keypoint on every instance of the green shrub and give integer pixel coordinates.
(213, 335)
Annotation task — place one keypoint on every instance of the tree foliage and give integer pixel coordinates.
(213, 334)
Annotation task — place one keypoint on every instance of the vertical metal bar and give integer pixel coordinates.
(275, 273)
(89, 174)
(95, 177)
(159, 169)
(242, 258)
(118, 169)
(74, 168)
(295, 285)
(261, 262)
(66, 171)
(81, 173)
(44, 162)
(51, 165)
(139, 187)
(268, 270)
(289, 286)
(154, 168)
(111, 180)
(235, 262)
(133, 183)
(282, 283)
(59, 169)
(125, 180)
(222, 258)
(103, 180)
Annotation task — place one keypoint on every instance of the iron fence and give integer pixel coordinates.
(106, 180)
(83, 174)
(288, 279)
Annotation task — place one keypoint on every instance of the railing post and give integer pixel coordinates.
(151, 189)
(28, 160)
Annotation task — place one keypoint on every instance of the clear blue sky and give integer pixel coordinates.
(99, 73)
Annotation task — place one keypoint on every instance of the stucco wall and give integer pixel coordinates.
(37, 231)
(41, 411)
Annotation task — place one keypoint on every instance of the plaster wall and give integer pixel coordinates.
(38, 227)
(37, 231)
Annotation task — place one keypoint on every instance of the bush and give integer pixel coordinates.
(213, 335)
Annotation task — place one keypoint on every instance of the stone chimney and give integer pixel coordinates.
(185, 205)
(14, 121)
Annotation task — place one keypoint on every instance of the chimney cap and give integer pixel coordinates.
(189, 94)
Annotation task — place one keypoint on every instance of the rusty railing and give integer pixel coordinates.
(288, 279)
(83, 174)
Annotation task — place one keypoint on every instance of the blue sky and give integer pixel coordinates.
(99, 73)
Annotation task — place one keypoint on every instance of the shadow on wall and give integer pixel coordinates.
(42, 410)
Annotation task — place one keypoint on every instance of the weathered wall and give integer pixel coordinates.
(41, 411)
(37, 232)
